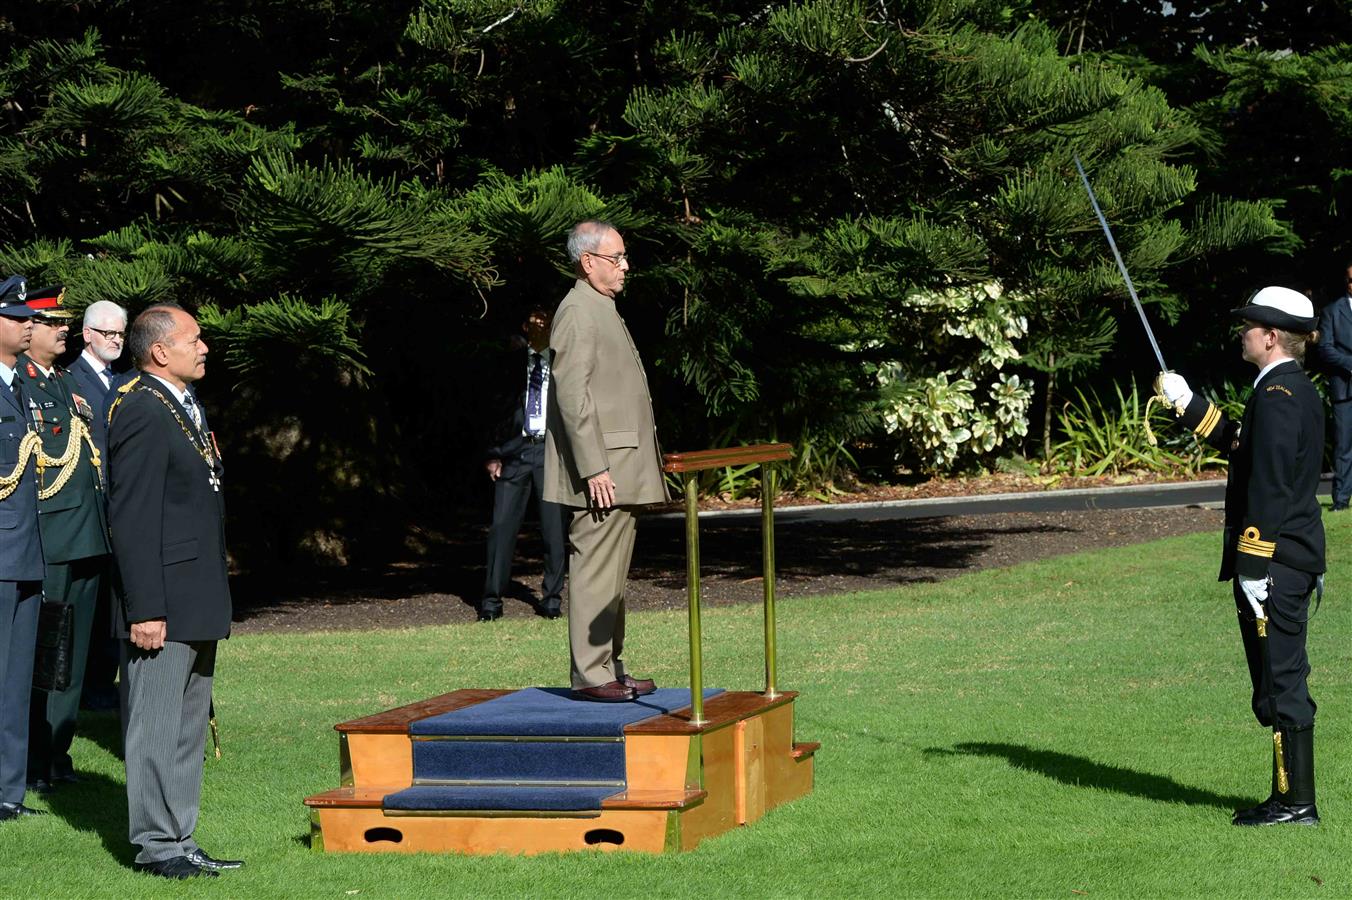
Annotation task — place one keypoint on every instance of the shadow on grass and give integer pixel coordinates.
(104, 728)
(1077, 771)
(98, 804)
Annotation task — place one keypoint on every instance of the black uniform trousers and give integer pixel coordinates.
(523, 475)
(1288, 608)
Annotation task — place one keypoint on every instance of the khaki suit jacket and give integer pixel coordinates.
(600, 414)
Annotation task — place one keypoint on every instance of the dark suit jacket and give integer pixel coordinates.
(89, 386)
(168, 522)
(504, 439)
(1334, 350)
(74, 521)
(20, 540)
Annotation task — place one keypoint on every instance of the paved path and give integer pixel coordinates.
(1210, 493)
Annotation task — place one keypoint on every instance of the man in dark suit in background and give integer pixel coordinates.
(105, 332)
(74, 522)
(1333, 354)
(169, 538)
(21, 566)
(515, 461)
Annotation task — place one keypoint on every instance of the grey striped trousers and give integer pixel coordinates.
(168, 705)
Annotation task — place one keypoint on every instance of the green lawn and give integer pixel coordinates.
(1073, 727)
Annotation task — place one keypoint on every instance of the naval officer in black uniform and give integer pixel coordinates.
(1274, 536)
(74, 522)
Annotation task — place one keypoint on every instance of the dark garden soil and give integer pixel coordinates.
(814, 558)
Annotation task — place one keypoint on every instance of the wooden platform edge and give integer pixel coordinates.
(374, 798)
(397, 720)
(720, 710)
(805, 749)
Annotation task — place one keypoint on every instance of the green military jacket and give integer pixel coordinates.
(74, 521)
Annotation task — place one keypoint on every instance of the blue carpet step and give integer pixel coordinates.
(533, 749)
(553, 798)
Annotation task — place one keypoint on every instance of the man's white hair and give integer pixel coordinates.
(102, 311)
(586, 237)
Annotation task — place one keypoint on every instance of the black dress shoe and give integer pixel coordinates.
(67, 778)
(551, 611)
(40, 786)
(200, 858)
(15, 810)
(613, 692)
(488, 615)
(1274, 812)
(640, 686)
(176, 867)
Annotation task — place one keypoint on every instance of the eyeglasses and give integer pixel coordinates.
(616, 258)
(110, 335)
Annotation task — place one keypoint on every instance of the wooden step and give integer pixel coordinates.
(805, 749)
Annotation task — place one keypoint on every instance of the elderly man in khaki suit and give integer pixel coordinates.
(601, 458)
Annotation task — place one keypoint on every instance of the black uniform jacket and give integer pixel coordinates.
(1275, 454)
(74, 520)
(168, 520)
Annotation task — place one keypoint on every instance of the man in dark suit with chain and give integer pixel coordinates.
(169, 538)
(1333, 355)
(21, 565)
(515, 460)
(73, 518)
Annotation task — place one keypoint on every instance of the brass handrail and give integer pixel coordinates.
(690, 464)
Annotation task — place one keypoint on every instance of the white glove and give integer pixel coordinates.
(1255, 591)
(1175, 389)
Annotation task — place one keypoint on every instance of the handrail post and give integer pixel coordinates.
(768, 574)
(692, 596)
(690, 465)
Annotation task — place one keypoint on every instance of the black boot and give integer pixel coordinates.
(1295, 805)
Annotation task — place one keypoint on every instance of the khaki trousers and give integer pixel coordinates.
(603, 545)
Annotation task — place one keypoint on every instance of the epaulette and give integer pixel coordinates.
(122, 392)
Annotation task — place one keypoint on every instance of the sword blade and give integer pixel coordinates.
(1121, 266)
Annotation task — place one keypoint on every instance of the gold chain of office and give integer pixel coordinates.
(195, 437)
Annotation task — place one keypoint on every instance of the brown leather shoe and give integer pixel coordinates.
(613, 692)
(640, 686)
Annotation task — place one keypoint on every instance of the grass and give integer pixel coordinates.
(1071, 727)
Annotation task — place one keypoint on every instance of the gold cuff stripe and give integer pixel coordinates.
(1251, 543)
(1209, 421)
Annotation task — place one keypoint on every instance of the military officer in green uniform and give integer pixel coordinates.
(72, 515)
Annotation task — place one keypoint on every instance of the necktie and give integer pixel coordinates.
(107, 374)
(537, 383)
(193, 411)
